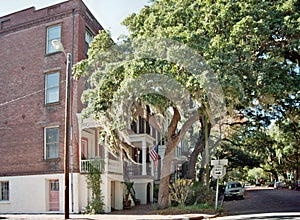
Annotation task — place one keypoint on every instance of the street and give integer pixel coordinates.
(264, 200)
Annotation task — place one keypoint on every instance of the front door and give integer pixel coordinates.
(84, 148)
(112, 195)
(53, 195)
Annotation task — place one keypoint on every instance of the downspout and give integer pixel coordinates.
(72, 152)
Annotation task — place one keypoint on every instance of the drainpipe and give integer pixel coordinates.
(72, 159)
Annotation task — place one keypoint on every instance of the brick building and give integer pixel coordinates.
(32, 103)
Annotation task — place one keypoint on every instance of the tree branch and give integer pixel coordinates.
(195, 117)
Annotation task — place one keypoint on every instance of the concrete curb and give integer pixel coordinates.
(107, 217)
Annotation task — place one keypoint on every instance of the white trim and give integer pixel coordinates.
(45, 148)
(47, 36)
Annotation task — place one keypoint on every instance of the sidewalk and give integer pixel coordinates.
(107, 217)
(140, 212)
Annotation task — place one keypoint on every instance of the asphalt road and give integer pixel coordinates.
(264, 200)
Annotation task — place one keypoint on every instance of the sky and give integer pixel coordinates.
(109, 13)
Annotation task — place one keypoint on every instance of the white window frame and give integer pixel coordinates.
(4, 190)
(54, 89)
(46, 156)
(50, 37)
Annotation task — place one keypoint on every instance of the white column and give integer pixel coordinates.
(106, 187)
(144, 162)
(153, 168)
(105, 159)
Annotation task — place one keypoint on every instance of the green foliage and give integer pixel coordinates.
(128, 190)
(253, 48)
(128, 71)
(256, 174)
(180, 190)
(185, 192)
(202, 195)
(94, 181)
(245, 42)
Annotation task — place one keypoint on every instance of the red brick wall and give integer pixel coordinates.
(23, 113)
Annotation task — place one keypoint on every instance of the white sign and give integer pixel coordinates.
(219, 162)
(218, 171)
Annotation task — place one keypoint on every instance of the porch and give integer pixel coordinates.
(110, 166)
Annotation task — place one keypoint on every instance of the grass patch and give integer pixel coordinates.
(193, 209)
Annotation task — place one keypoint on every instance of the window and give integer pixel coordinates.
(4, 190)
(133, 126)
(52, 88)
(54, 185)
(51, 142)
(88, 40)
(141, 125)
(53, 33)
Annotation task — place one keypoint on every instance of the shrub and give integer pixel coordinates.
(201, 195)
(181, 190)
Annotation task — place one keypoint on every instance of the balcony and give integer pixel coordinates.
(89, 164)
(114, 166)
(136, 170)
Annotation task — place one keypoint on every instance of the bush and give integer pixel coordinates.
(180, 190)
(95, 206)
(186, 192)
(201, 195)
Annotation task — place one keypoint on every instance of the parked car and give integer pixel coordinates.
(234, 189)
(279, 185)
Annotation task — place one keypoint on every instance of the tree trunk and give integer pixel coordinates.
(194, 157)
(275, 174)
(199, 147)
(173, 139)
(163, 193)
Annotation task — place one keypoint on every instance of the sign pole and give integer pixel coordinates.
(218, 172)
(217, 194)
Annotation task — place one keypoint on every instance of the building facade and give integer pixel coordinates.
(32, 103)
(32, 120)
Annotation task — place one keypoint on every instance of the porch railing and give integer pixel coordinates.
(88, 165)
(114, 166)
(137, 169)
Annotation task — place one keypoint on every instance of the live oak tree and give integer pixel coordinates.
(268, 139)
(252, 46)
(137, 72)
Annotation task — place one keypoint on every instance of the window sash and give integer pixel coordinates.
(52, 142)
(88, 40)
(4, 191)
(54, 185)
(53, 33)
(52, 88)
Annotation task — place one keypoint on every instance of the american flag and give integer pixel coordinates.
(154, 154)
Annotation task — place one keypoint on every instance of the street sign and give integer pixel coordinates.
(219, 162)
(218, 171)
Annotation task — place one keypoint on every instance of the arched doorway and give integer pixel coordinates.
(148, 193)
